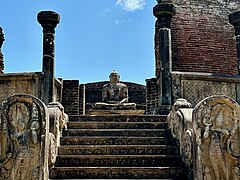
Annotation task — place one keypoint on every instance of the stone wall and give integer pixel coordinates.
(27, 83)
(196, 86)
(202, 38)
(15, 83)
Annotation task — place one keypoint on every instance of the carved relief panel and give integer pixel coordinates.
(196, 90)
(23, 147)
(216, 123)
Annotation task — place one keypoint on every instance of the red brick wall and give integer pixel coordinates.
(202, 38)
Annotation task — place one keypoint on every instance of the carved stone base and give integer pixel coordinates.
(120, 112)
(117, 106)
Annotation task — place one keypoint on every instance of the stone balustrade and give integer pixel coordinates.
(208, 135)
(58, 121)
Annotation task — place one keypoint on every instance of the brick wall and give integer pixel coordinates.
(202, 38)
(70, 99)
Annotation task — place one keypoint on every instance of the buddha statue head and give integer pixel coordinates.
(114, 77)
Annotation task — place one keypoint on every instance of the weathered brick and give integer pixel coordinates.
(202, 38)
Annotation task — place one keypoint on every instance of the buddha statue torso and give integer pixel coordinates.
(115, 94)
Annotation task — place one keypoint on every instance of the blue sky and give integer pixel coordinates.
(93, 38)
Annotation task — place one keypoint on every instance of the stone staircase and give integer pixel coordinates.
(118, 147)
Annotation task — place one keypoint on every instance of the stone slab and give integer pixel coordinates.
(120, 112)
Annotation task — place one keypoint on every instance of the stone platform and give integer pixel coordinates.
(112, 112)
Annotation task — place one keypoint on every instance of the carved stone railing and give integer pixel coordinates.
(180, 124)
(29, 138)
(209, 137)
(58, 121)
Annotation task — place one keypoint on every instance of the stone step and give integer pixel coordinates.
(119, 118)
(118, 173)
(116, 125)
(117, 140)
(118, 132)
(118, 150)
(118, 160)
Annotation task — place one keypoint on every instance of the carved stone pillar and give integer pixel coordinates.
(151, 96)
(234, 19)
(1, 55)
(82, 99)
(164, 11)
(48, 20)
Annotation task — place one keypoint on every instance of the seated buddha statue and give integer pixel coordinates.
(115, 94)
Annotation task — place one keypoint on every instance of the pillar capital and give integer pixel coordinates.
(234, 19)
(48, 20)
(164, 12)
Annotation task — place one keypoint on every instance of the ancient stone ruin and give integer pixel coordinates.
(184, 124)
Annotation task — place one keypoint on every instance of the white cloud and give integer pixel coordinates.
(105, 11)
(118, 22)
(131, 5)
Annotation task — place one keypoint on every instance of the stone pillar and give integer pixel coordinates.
(1, 55)
(152, 96)
(148, 96)
(48, 20)
(82, 99)
(234, 19)
(164, 11)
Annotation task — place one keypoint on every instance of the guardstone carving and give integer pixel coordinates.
(24, 138)
(216, 121)
(208, 136)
